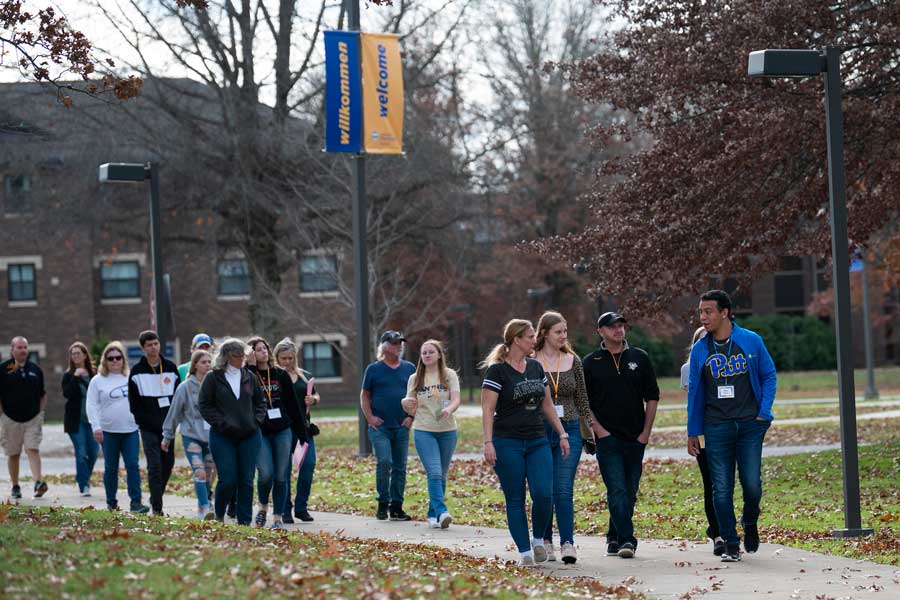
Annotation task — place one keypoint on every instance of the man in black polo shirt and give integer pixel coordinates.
(22, 398)
(620, 381)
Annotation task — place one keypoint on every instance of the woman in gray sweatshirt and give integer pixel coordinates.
(185, 411)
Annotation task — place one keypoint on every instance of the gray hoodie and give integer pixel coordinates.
(185, 410)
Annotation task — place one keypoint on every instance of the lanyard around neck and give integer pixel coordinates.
(553, 382)
(266, 385)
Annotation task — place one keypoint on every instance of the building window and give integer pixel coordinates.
(234, 277)
(22, 284)
(120, 279)
(321, 359)
(34, 357)
(318, 273)
(741, 296)
(17, 194)
(790, 296)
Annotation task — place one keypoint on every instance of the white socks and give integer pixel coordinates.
(535, 542)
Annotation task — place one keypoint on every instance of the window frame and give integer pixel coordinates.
(219, 278)
(9, 282)
(137, 280)
(331, 286)
(335, 359)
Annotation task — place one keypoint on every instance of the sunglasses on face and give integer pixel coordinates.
(115, 358)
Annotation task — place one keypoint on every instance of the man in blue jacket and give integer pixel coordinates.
(730, 395)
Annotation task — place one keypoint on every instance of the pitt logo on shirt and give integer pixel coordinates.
(719, 366)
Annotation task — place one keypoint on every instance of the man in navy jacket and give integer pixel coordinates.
(731, 390)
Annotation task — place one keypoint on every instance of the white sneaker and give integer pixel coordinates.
(444, 520)
(568, 553)
(433, 523)
(540, 554)
(86, 491)
(526, 561)
(551, 551)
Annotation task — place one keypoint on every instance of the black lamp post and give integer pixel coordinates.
(811, 63)
(137, 172)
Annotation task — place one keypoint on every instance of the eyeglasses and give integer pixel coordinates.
(115, 358)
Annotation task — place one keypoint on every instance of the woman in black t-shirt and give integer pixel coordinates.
(514, 396)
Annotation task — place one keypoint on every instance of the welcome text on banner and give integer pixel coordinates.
(382, 82)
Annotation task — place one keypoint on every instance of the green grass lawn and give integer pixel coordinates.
(55, 553)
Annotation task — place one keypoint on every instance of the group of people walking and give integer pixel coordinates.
(243, 412)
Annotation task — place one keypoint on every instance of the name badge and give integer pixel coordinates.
(163, 401)
(560, 411)
(726, 391)
(274, 413)
(206, 426)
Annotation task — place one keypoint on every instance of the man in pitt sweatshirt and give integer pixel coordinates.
(151, 386)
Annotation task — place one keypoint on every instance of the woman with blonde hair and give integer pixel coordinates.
(114, 426)
(307, 397)
(514, 396)
(185, 413)
(75, 384)
(570, 401)
(432, 396)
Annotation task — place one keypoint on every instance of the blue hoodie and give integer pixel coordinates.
(762, 377)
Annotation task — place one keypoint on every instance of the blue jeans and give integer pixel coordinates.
(564, 481)
(128, 445)
(519, 461)
(200, 459)
(86, 448)
(391, 446)
(729, 444)
(272, 464)
(435, 450)
(236, 464)
(621, 465)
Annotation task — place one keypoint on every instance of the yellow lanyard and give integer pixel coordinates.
(554, 382)
(265, 385)
(617, 362)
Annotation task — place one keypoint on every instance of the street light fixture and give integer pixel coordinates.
(137, 172)
(808, 63)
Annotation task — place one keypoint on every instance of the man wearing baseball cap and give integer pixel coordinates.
(201, 341)
(384, 386)
(623, 395)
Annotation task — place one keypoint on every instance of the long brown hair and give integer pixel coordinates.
(442, 366)
(513, 329)
(252, 342)
(548, 321)
(88, 365)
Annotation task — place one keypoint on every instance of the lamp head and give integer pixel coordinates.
(123, 172)
(785, 63)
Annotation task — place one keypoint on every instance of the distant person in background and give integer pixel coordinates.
(114, 426)
(712, 529)
(383, 389)
(731, 390)
(185, 413)
(201, 341)
(75, 383)
(286, 357)
(22, 402)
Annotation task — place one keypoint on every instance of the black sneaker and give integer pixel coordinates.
(114, 505)
(612, 548)
(382, 513)
(304, 516)
(751, 538)
(139, 508)
(286, 518)
(718, 547)
(40, 488)
(732, 554)
(397, 514)
(260, 519)
(16, 492)
(626, 550)
(231, 511)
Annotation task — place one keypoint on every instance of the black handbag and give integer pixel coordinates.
(313, 429)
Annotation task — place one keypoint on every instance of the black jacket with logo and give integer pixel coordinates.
(146, 385)
(235, 418)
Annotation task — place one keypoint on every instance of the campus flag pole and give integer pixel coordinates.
(349, 87)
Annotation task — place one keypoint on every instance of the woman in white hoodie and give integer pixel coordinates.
(113, 425)
(185, 412)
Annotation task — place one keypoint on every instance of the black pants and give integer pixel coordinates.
(159, 467)
(712, 531)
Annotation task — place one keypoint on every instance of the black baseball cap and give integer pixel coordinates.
(392, 337)
(608, 318)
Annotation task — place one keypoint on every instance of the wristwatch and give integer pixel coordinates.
(564, 436)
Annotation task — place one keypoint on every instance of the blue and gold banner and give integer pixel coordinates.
(343, 99)
(382, 80)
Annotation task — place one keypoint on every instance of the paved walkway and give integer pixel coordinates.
(665, 569)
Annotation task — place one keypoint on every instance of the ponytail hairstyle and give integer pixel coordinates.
(699, 333)
(513, 329)
(441, 365)
(548, 321)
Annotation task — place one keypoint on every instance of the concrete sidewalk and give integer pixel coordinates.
(666, 569)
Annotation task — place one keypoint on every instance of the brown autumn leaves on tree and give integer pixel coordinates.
(736, 175)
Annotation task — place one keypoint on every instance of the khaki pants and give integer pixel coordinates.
(15, 435)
